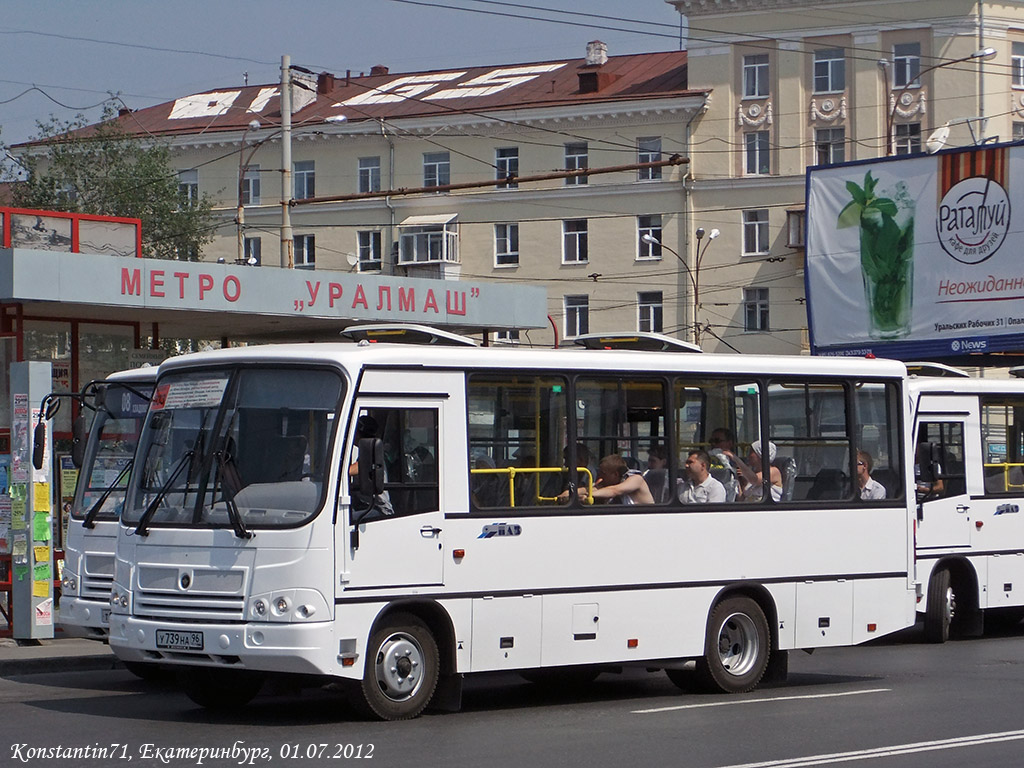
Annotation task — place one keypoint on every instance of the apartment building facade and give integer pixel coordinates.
(806, 82)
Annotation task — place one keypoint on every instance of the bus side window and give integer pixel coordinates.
(410, 438)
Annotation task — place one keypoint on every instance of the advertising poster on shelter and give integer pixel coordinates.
(917, 257)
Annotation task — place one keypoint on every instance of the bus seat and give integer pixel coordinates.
(657, 481)
(291, 451)
(787, 466)
(727, 478)
(889, 480)
(829, 483)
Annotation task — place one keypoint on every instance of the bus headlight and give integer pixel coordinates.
(293, 605)
(69, 584)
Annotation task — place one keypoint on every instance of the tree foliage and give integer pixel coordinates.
(104, 170)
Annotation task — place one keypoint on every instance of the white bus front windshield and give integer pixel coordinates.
(108, 454)
(242, 448)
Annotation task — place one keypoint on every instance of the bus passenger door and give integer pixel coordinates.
(399, 538)
(940, 469)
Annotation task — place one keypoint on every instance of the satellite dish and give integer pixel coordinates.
(938, 139)
(352, 259)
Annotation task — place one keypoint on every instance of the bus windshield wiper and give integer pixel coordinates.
(90, 517)
(229, 501)
(141, 528)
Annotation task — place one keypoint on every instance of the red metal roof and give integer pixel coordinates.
(423, 94)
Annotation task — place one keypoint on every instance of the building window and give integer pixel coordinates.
(429, 243)
(304, 177)
(907, 138)
(755, 75)
(906, 64)
(574, 241)
(649, 311)
(437, 169)
(796, 225)
(506, 337)
(757, 153)
(370, 256)
(506, 163)
(1018, 131)
(648, 228)
(829, 70)
(252, 251)
(251, 185)
(576, 158)
(188, 187)
(755, 309)
(830, 145)
(755, 232)
(506, 245)
(1017, 64)
(577, 315)
(304, 251)
(369, 174)
(648, 150)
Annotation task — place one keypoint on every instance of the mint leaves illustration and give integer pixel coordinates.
(886, 252)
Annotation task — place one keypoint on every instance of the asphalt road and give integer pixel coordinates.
(892, 704)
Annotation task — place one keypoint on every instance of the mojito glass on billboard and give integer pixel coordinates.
(907, 256)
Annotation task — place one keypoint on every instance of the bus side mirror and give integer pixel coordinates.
(371, 466)
(78, 441)
(38, 445)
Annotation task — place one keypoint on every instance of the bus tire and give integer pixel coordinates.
(941, 609)
(737, 647)
(402, 667)
(222, 689)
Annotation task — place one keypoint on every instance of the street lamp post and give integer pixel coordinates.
(981, 55)
(692, 274)
(243, 163)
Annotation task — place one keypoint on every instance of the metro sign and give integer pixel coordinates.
(423, 86)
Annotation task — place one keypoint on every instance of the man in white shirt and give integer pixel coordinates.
(870, 489)
(700, 487)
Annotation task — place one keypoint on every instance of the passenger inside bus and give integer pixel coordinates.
(616, 483)
(700, 487)
(751, 474)
(870, 489)
(657, 474)
(722, 451)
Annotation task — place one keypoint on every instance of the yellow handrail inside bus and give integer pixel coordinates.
(1006, 467)
(513, 471)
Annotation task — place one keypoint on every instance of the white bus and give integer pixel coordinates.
(104, 459)
(249, 545)
(969, 460)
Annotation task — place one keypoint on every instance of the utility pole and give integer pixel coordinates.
(287, 243)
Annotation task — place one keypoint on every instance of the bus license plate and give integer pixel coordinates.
(172, 640)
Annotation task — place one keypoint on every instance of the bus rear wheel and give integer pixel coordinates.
(737, 647)
(941, 610)
(220, 688)
(402, 666)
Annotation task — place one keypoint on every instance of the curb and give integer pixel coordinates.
(42, 664)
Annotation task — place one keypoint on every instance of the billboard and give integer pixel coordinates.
(917, 257)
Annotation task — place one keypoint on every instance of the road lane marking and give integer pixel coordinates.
(891, 751)
(734, 702)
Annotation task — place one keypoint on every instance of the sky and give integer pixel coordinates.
(62, 57)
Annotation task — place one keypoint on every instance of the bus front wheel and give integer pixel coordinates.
(737, 647)
(402, 666)
(941, 610)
